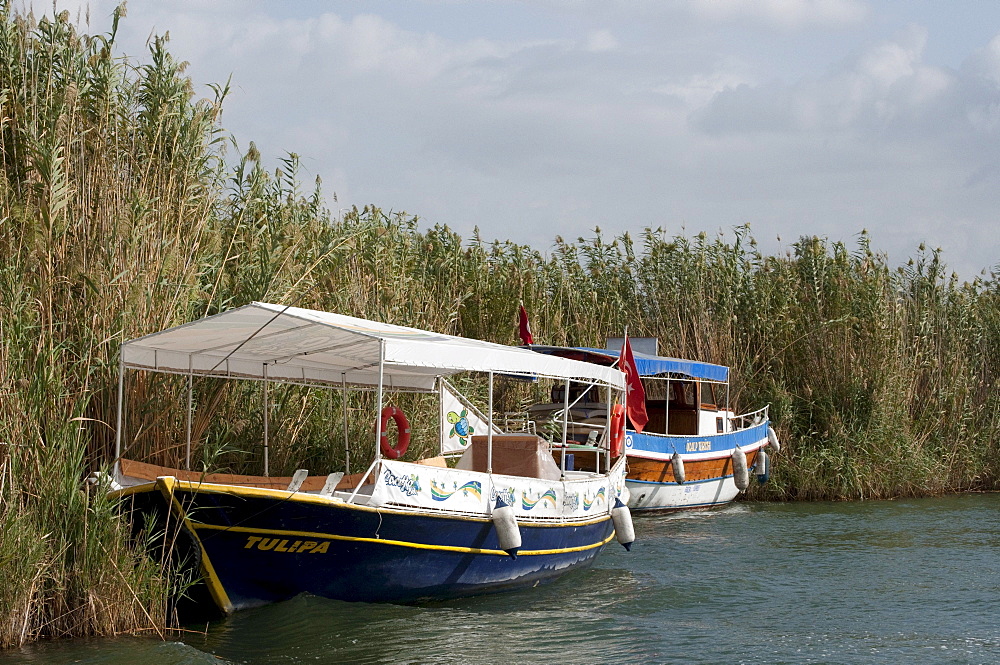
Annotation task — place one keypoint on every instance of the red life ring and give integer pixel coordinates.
(617, 429)
(402, 424)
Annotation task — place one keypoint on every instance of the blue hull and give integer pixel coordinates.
(260, 546)
(665, 445)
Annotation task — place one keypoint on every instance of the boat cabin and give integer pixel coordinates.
(683, 397)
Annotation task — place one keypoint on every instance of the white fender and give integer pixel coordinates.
(762, 467)
(505, 523)
(622, 518)
(677, 464)
(740, 474)
(772, 439)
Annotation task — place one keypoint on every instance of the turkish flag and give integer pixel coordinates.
(635, 394)
(523, 329)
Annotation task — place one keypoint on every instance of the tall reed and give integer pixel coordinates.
(125, 208)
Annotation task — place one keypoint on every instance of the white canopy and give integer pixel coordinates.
(261, 340)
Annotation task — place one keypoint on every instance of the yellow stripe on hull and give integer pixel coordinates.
(400, 543)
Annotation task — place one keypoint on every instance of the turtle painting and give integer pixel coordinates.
(460, 426)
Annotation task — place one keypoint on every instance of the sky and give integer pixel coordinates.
(532, 120)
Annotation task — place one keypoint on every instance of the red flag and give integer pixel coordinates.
(635, 394)
(523, 329)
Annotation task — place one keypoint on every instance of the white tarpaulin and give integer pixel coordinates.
(262, 340)
(417, 485)
(460, 421)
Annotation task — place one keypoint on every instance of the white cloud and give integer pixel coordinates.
(985, 62)
(786, 14)
(890, 61)
(887, 83)
(600, 41)
(798, 116)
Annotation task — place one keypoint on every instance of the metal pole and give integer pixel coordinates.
(597, 448)
(666, 409)
(118, 427)
(489, 432)
(378, 405)
(347, 443)
(187, 456)
(609, 433)
(697, 406)
(729, 424)
(565, 442)
(266, 425)
(441, 415)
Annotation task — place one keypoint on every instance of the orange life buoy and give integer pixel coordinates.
(617, 429)
(402, 424)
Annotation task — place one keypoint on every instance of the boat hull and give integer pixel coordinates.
(708, 468)
(262, 546)
(669, 495)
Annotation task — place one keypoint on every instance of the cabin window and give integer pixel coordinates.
(683, 395)
(720, 425)
(577, 393)
(709, 397)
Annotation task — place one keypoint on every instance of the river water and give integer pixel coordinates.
(914, 581)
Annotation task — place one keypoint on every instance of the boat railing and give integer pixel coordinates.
(586, 428)
(518, 421)
(364, 477)
(750, 419)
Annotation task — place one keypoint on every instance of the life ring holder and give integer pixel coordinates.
(617, 429)
(402, 424)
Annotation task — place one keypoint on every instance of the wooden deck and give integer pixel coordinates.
(312, 483)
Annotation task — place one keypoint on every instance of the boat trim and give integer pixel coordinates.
(403, 543)
(673, 483)
(215, 587)
(688, 506)
(285, 495)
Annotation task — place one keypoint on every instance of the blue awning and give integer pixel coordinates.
(655, 365)
(646, 364)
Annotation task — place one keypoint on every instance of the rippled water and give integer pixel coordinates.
(881, 582)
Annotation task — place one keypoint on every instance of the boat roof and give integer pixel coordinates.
(283, 343)
(647, 364)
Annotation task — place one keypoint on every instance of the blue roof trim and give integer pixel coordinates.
(655, 365)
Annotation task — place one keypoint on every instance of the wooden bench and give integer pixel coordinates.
(525, 455)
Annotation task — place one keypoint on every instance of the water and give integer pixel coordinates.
(882, 582)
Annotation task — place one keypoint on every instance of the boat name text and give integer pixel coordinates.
(699, 446)
(282, 545)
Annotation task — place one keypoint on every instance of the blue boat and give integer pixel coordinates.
(694, 451)
(489, 510)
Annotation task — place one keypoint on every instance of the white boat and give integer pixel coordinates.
(502, 513)
(694, 452)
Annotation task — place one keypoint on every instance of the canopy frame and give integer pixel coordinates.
(237, 344)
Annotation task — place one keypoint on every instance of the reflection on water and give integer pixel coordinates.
(880, 582)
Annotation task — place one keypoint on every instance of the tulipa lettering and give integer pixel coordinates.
(287, 545)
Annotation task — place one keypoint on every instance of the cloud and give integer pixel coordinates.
(600, 41)
(797, 116)
(984, 63)
(886, 88)
(784, 14)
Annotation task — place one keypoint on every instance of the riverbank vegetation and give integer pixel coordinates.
(126, 208)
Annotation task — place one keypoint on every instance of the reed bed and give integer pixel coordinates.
(126, 208)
